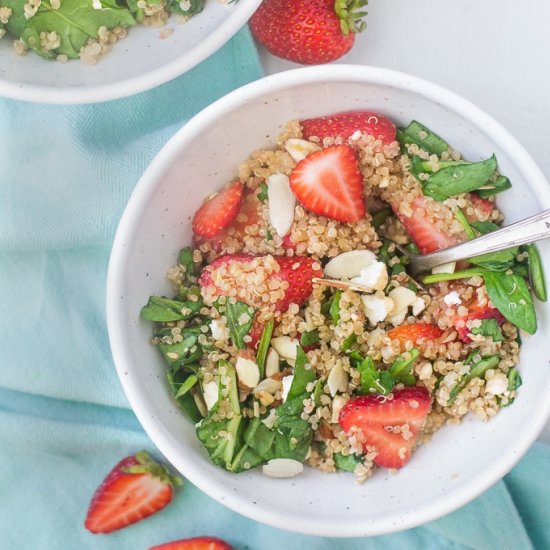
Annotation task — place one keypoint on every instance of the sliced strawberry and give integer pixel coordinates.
(219, 211)
(345, 125)
(376, 417)
(417, 333)
(196, 543)
(136, 488)
(297, 271)
(255, 333)
(421, 226)
(329, 183)
(288, 243)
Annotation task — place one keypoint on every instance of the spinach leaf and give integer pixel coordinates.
(262, 192)
(161, 309)
(489, 327)
(348, 342)
(302, 376)
(401, 369)
(195, 6)
(75, 21)
(380, 216)
(263, 346)
(309, 338)
(510, 295)
(335, 307)
(497, 261)
(502, 183)
(374, 380)
(461, 217)
(240, 317)
(458, 179)
(514, 382)
(423, 137)
(176, 379)
(182, 353)
(185, 258)
(245, 459)
(476, 371)
(420, 166)
(187, 385)
(536, 273)
(346, 462)
(485, 227)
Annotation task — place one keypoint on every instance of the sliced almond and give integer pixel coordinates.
(210, 393)
(337, 405)
(282, 467)
(271, 363)
(337, 380)
(376, 308)
(281, 203)
(269, 385)
(444, 268)
(285, 346)
(374, 276)
(270, 419)
(418, 306)
(248, 372)
(287, 383)
(349, 264)
(299, 149)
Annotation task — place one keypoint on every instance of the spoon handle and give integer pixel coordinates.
(529, 230)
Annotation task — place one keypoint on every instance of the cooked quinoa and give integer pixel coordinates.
(442, 365)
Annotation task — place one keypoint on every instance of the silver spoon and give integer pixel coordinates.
(526, 231)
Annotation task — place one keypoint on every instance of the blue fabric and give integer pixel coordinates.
(65, 175)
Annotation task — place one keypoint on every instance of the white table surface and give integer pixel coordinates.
(496, 53)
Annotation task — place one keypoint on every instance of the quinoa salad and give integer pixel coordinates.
(295, 335)
(85, 29)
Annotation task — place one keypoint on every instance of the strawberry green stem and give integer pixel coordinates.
(351, 15)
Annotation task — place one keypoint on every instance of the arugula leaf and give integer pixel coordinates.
(502, 183)
(346, 462)
(536, 272)
(309, 338)
(489, 327)
(416, 133)
(161, 309)
(302, 376)
(240, 317)
(263, 346)
(476, 371)
(457, 179)
(74, 22)
(510, 295)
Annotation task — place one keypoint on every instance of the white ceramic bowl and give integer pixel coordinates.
(461, 461)
(137, 63)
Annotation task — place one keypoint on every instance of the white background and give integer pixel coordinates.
(496, 53)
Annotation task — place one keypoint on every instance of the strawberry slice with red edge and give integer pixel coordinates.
(328, 182)
(421, 227)
(484, 206)
(344, 125)
(219, 211)
(134, 489)
(375, 417)
(417, 333)
(195, 543)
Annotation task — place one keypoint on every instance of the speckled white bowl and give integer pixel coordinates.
(461, 461)
(139, 62)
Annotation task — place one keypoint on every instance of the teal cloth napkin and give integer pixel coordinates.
(65, 176)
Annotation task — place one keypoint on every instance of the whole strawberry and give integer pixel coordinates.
(308, 31)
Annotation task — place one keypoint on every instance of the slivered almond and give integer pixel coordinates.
(299, 149)
(285, 346)
(248, 372)
(282, 467)
(272, 363)
(349, 264)
(281, 203)
(444, 268)
(269, 385)
(337, 380)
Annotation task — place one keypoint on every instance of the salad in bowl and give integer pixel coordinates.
(295, 334)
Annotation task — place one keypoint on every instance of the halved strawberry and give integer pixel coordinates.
(297, 271)
(247, 215)
(376, 418)
(421, 226)
(218, 211)
(345, 125)
(329, 183)
(134, 489)
(196, 543)
(417, 333)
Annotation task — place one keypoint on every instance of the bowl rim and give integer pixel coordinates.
(77, 95)
(461, 495)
